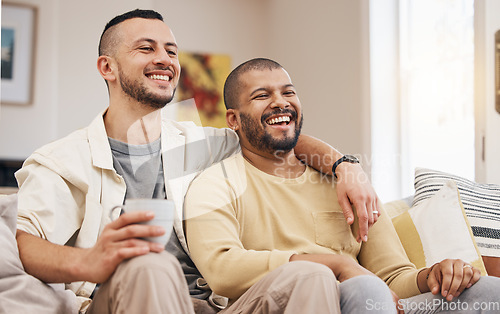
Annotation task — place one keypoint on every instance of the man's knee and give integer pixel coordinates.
(307, 268)
(152, 259)
(151, 283)
(303, 283)
(360, 289)
(306, 275)
(163, 262)
(486, 289)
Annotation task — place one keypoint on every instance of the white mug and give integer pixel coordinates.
(164, 215)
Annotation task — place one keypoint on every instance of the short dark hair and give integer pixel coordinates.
(107, 40)
(232, 84)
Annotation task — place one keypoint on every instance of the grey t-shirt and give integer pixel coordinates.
(141, 168)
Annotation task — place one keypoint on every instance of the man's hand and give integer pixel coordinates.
(395, 298)
(353, 186)
(342, 266)
(449, 277)
(53, 263)
(119, 241)
(348, 268)
(354, 189)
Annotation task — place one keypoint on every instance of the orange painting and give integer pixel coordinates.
(200, 89)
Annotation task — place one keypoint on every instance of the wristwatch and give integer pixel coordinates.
(349, 158)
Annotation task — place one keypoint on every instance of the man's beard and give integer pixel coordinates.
(138, 91)
(259, 138)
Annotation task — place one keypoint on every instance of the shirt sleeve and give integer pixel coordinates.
(212, 231)
(384, 255)
(47, 203)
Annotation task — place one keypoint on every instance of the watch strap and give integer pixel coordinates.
(348, 158)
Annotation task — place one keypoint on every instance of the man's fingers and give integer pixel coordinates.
(129, 252)
(433, 282)
(369, 211)
(468, 274)
(446, 270)
(153, 247)
(395, 299)
(364, 219)
(116, 252)
(354, 189)
(346, 206)
(375, 209)
(126, 231)
(131, 218)
(475, 277)
(457, 278)
(136, 231)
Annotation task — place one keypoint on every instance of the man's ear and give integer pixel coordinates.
(232, 119)
(105, 68)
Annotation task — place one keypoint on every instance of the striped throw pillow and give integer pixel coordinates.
(481, 204)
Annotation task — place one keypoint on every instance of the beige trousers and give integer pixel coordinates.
(155, 283)
(295, 287)
(152, 283)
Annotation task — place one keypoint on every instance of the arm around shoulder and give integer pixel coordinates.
(353, 186)
(223, 142)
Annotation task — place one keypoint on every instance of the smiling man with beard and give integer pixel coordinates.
(264, 230)
(259, 138)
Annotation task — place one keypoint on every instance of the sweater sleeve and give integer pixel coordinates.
(384, 255)
(212, 231)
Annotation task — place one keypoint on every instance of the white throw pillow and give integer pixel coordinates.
(437, 229)
(481, 203)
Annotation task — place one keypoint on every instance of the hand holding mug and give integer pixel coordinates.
(163, 215)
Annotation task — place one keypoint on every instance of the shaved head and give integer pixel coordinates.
(111, 36)
(233, 84)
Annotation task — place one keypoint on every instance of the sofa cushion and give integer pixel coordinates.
(481, 203)
(8, 212)
(437, 229)
(20, 292)
(396, 208)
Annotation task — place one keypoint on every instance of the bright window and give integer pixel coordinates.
(437, 72)
(421, 73)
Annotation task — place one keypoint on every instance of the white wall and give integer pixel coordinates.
(68, 89)
(234, 27)
(17, 123)
(324, 45)
(487, 22)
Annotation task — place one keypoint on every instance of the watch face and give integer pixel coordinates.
(351, 159)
